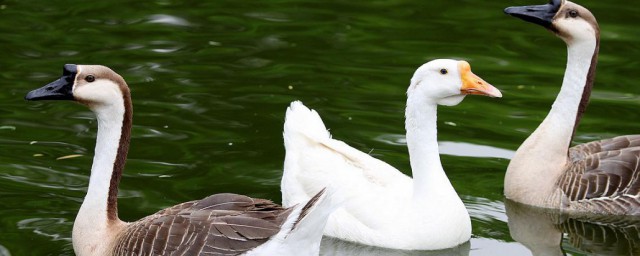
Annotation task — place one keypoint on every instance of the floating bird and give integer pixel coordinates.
(221, 224)
(385, 207)
(599, 177)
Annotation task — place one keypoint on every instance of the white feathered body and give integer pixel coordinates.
(379, 207)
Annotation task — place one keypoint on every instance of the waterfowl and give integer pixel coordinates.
(221, 224)
(385, 207)
(599, 177)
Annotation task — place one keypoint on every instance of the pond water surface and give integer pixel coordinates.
(211, 81)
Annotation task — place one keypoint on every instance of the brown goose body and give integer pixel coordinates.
(603, 177)
(600, 177)
(234, 224)
(221, 224)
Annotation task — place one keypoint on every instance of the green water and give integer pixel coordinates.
(211, 81)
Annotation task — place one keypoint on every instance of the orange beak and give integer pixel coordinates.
(473, 84)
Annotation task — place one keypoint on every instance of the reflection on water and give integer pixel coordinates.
(335, 247)
(547, 232)
(455, 148)
(4, 251)
(535, 228)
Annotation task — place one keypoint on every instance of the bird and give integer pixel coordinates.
(220, 224)
(385, 207)
(594, 178)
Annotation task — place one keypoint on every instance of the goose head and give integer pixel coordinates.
(93, 85)
(447, 82)
(566, 19)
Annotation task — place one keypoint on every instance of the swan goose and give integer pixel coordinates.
(385, 207)
(221, 224)
(599, 177)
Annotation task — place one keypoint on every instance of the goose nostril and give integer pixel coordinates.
(49, 88)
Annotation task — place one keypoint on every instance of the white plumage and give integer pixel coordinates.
(384, 207)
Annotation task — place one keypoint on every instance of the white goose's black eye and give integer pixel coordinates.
(444, 71)
(90, 78)
(573, 13)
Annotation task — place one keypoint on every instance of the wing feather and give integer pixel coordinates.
(375, 170)
(604, 176)
(221, 224)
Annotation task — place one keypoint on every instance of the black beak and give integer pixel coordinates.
(538, 14)
(60, 89)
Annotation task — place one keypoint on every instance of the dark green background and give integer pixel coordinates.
(211, 81)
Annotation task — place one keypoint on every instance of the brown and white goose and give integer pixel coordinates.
(221, 224)
(599, 177)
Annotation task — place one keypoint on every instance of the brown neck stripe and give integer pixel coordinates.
(121, 156)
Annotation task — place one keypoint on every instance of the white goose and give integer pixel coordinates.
(600, 177)
(221, 224)
(385, 207)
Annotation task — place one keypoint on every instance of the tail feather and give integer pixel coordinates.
(313, 217)
(301, 120)
(302, 232)
(308, 207)
(303, 129)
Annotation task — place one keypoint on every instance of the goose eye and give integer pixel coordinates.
(444, 71)
(90, 78)
(573, 13)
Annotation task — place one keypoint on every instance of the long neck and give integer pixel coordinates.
(572, 101)
(529, 181)
(429, 179)
(112, 146)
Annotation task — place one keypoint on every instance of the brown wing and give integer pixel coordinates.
(604, 176)
(221, 224)
(621, 142)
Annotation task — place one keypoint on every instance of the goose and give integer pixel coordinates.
(221, 224)
(595, 178)
(386, 208)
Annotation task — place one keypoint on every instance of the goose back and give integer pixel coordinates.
(603, 177)
(221, 224)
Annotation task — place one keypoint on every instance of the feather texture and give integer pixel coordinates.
(221, 224)
(603, 177)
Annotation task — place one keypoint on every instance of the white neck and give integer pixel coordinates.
(527, 180)
(92, 219)
(559, 124)
(429, 179)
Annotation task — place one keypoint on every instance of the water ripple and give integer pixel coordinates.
(166, 19)
(42, 177)
(43, 227)
(269, 16)
(485, 209)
